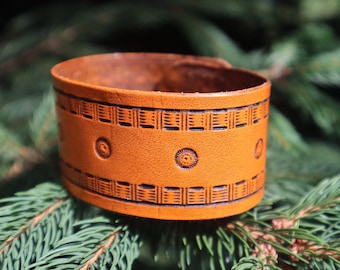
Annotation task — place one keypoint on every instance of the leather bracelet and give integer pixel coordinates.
(165, 136)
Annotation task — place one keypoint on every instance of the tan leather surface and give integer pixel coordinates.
(162, 136)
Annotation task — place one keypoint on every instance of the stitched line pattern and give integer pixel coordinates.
(164, 195)
(164, 119)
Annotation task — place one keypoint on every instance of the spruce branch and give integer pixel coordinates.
(31, 223)
(314, 105)
(283, 135)
(324, 69)
(96, 243)
(27, 231)
(330, 79)
(291, 236)
(17, 108)
(11, 145)
(100, 251)
(187, 245)
(43, 124)
(61, 40)
(283, 232)
(281, 60)
(318, 10)
(32, 238)
(317, 161)
(26, 206)
(216, 42)
(213, 8)
(269, 237)
(44, 137)
(253, 263)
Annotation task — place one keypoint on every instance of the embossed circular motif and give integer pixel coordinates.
(186, 158)
(258, 149)
(103, 148)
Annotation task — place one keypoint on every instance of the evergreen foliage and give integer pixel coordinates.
(297, 224)
(46, 233)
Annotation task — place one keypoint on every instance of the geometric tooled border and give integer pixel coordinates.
(163, 119)
(162, 195)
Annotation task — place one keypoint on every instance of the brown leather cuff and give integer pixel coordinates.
(162, 136)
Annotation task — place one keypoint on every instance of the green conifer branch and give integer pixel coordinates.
(208, 39)
(15, 155)
(283, 232)
(268, 235)
(254, 263)
(314, 105)
(24, 206)
(291, 237)
(28, 231)
(43, 124)
(324, 69)
(10, 145)
(95, 244)
(16, 109)
(32, 238)
(283, 135)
